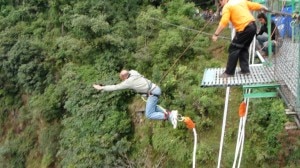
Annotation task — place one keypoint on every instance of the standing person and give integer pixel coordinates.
(262, 35)
(238, 12)
(135, 81)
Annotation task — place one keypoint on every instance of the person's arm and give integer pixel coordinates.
(217, 32)
(223, 23)
(98, 87)
(120, 86)
(254, 6)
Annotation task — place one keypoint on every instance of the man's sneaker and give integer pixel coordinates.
(173, 118)
(243, 73)
(225, 75)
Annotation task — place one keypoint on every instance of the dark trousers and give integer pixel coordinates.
(238, 49)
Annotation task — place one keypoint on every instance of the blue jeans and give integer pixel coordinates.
(262, 42)
(152, 110)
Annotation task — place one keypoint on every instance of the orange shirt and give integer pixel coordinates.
(239, 13)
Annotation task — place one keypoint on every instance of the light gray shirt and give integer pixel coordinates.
(135, 81)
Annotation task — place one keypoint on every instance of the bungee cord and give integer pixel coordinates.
(189, 124)
(243, 111)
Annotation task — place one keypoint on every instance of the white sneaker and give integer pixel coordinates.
(173, 118)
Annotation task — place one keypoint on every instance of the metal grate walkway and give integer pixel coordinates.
(286, 68)
(260, 74)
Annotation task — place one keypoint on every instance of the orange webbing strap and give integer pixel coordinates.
(242, 109)
(188, 122)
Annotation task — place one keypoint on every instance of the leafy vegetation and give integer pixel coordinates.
(50, 116)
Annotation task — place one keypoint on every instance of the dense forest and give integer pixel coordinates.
(53, 51)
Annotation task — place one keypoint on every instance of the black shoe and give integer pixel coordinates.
(243, 73)
(225, 75)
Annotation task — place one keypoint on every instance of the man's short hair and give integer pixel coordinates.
(262, 16)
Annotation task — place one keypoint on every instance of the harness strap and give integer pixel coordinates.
(238, 45)
(151, 86)
(147, 94)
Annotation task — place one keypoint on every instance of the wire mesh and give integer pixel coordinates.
(286, 70)
(286, 58)
(285, 61)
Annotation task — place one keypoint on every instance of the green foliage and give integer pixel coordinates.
(49, 106)
(49, 144)
(171, 41)
(94, 140)
(168, 41)
(3, 118)
(206, 153)
(16, 147)
(90, 136)
(8, 39)
(69, 49)
(99, 25)
(186, 9)
(52, 52)
(81, 26)
(25, 66)
(168, 143)
(267, 122)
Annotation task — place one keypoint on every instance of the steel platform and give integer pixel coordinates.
(260, 74)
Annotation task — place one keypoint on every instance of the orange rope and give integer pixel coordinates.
(242, 109)
(188, 122)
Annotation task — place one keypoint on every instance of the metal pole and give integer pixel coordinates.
(293, 27)
(269, 36)
(298, 87)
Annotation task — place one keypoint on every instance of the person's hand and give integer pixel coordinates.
(265, 9)
(214, 37)
(98, 87)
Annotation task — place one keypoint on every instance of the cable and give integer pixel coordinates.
(243, 111)
(171, 67)
(195, 147)
(223, 125)
(186, 28)
(191, 125)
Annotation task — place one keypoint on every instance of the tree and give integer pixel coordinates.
(25, 66)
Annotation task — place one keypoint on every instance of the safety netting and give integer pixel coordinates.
(286, 57)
